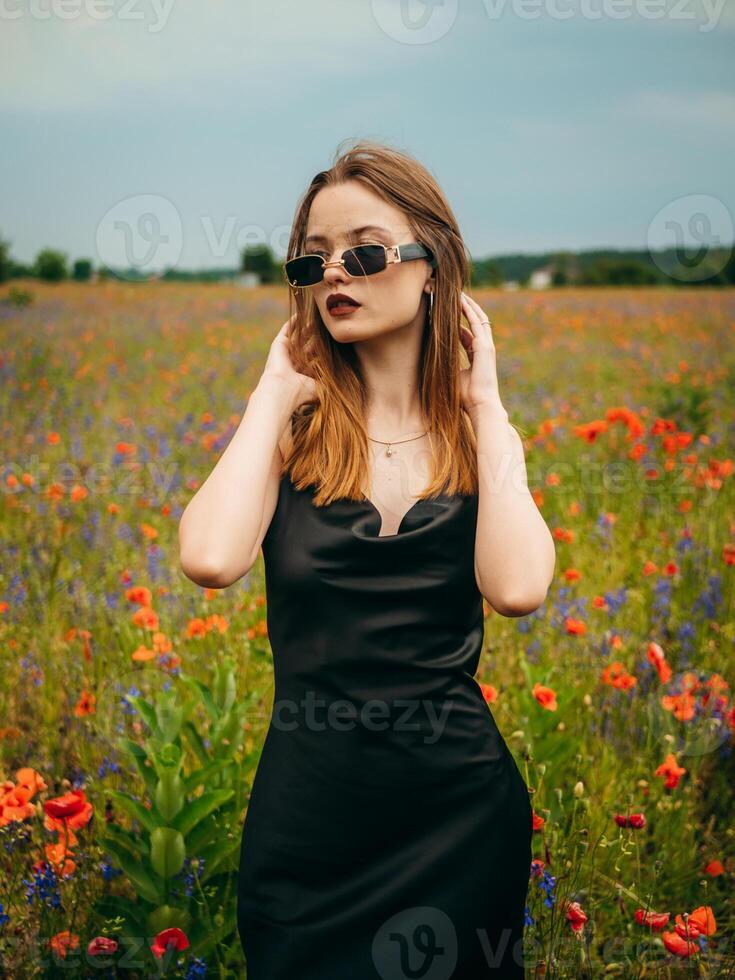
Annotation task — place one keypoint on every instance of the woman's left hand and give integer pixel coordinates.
(478, 382)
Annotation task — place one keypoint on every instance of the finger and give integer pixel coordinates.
(479, 320)
(473, 303)
(467, 338)
(472, 316)
(285, 330)
(475, 307)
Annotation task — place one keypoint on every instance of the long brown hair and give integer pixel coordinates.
(329, 440)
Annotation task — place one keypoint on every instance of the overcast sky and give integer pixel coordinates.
(195, 127)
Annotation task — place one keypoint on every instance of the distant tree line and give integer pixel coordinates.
(597, 267)
(49, 265)
(611, 267)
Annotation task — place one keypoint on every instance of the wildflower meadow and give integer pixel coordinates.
(133, 703)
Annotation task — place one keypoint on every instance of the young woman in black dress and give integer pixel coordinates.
(388, 832)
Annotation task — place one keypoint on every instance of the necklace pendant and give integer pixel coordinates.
(389, 451)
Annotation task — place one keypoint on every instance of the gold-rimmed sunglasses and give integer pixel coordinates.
(361, 260)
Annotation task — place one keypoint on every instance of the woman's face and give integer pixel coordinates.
(389, 299)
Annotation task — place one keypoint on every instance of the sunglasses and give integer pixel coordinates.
(362, 260)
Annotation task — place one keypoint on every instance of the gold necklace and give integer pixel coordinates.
(396, 442)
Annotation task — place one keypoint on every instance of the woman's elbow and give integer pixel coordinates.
(515, 606)
(201, 572)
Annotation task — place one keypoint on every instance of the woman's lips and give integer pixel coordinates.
(343, 309)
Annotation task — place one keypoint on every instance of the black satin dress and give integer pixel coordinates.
(388, 832)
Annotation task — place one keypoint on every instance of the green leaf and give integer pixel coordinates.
(206, 697)
(216, 853)
(147, 818)
(140, 757)
(169, 716)
(199, 808)
(124, 838)
(114, 906)
(168, 851)
(201, 777)
(204, 938)
(196, 742)
(206, 831)
(229, 734)
(145, 709)
(225, 688)
(169, 795)
(167, 917)
(135, 872)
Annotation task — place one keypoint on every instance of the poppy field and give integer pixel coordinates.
(133, 703)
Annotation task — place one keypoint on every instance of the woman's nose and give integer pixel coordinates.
(335, 270)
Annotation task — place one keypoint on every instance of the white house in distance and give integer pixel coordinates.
(249, 279)
(540, 278)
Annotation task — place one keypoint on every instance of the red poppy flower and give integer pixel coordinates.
(489, 692)
(576, 917)
(576, 627)
(715, 868)
(634, 820)
(68, 805)
(671, 770)
(167, 938)
(62, 942)
(654, 920)
(545, 696)
(537, 868)
(102, 946)
(701, 922)
(680, 947)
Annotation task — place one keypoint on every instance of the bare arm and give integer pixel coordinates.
(515, 554)
(514, 549)
(223, 526)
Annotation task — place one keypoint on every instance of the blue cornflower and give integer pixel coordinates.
(108, 872)
(197, 968)
(45, 887)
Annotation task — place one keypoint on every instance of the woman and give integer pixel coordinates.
(388, 832)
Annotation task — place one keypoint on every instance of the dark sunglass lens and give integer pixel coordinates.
(305, 270)
(364, 260)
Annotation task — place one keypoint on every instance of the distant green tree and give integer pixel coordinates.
(6, 263)
(618, 272)
(260, 259)
(51, 265)
(728, 272)
(82, 271)
(18, 270)
(486, 272)
(564, 268)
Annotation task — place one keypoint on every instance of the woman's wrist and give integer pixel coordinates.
(278, 392)
(492, 411)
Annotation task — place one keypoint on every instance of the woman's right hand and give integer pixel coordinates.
(279, 366)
